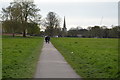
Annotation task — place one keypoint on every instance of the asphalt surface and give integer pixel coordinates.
(52, 64)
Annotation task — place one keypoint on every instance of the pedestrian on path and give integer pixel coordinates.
(47, 39)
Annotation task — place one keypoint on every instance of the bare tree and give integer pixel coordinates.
(52, 23)
(28, 13)
(10, 18)
(23, 12)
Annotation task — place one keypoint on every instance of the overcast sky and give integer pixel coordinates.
(81, 13)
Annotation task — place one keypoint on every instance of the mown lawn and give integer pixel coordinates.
(90, 57)
(20, 56)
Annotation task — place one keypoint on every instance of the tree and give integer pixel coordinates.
(95, 31)
(105, 32)
(114, 32)
(11, 27)
(28, 13)
(33, 29)
(22, 12)
(10, 18)
(52, 23)
(77, 32)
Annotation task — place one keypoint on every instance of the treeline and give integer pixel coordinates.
(95, 32)
(22, 18)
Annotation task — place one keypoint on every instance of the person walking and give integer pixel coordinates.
(47, 39)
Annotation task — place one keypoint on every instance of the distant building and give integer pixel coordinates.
(64, 29)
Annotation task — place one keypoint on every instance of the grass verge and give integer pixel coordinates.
(90, 57)
(20, 56)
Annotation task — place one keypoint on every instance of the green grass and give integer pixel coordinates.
(90, 57)
(20, 56)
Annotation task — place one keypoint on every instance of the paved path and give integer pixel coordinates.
(51, 64)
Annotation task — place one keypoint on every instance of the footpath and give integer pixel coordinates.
(52, 64)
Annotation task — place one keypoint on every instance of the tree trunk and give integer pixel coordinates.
(13, 34)
(24, 33)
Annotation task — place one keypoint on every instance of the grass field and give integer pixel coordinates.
(20, 56)
(90, 57)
